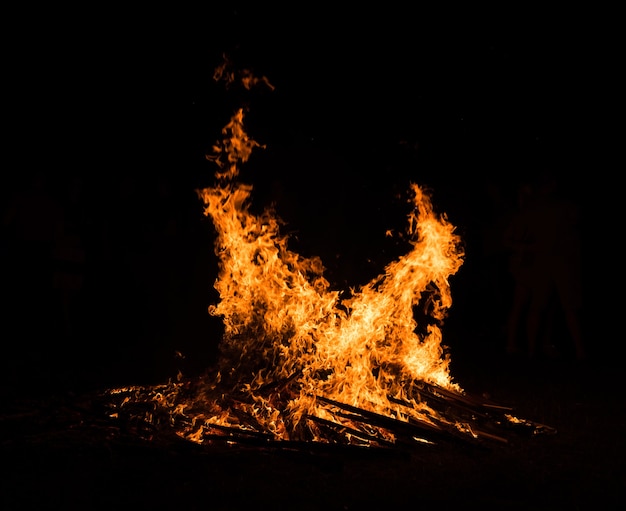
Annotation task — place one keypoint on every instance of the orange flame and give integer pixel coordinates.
(283, 321)
(226, 73)
(236, 147)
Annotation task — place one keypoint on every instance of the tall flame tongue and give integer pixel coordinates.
(283, 322)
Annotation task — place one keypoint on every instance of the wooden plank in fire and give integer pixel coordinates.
(346, 431)
(462, 401)
(406, 430)
(235, 433)
(277, 386)
(488, 419)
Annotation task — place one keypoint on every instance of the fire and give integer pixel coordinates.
(283, 320)
(300, 360)
(229, 75)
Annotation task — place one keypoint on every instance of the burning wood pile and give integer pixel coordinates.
(301, 362)
(205, 414)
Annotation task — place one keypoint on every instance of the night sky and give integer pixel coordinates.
(478, 96)
(363, 103)
(446, 99)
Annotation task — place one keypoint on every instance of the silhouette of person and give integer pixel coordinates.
(496, 217)
(552, 224)
(70, 254)
(516, 239)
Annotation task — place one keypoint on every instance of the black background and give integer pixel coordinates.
(364, 102)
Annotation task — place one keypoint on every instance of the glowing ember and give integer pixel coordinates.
(299, 360)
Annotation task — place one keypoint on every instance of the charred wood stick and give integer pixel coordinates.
(233, 431)
(455, 413)
(347, 430)
(461, 429)
(241, 440)
(399, 427)
(235, 410)
(403, 437)
(277, 386)
(483, 412)
(435, 396)
(459, 408)
(410, 432)
(326, 433)
(526, 426)
(383, 421)
(474, 403)
(482, 435)
(374, 417)
(446, 403)
(412, 429)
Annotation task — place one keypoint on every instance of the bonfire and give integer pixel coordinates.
(303, 363)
